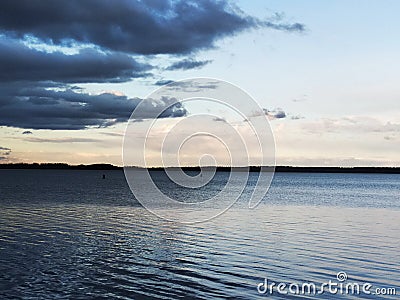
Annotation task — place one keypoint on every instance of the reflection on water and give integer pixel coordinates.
(74, 235)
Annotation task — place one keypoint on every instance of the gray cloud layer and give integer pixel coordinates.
(19, 62)
(35, 86)
(38, 107)
(187, 64)
(144, 27)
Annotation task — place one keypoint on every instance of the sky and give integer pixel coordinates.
(325, 72)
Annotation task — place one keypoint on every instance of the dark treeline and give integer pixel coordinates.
(59, 166)
(391, 170)
(64, 166)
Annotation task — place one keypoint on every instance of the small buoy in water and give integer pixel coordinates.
(104, 176)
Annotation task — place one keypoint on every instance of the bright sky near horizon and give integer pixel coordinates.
(332, 67)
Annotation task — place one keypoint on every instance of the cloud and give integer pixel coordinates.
(218, 119)
(277, 113)
(5, 149)
(36, 106)
(163, 82)
(352, 124)
(27, 132)
(111, 41)
(274, 114)
(188, 64)
(115, 134)
(297, 117)
(137, 120)
(35, 91)
(20, 62)
(61, 140)
(301, 98)
(4, 153)
(143, 27)
(193, 86)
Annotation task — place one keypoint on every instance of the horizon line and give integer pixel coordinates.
(279, 168)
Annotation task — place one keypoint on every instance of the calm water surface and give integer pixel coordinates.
(72, 235)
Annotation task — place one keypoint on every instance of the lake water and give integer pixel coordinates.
(72, 235)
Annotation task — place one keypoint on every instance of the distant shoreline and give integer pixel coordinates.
(64, 166)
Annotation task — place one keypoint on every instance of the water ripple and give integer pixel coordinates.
(83, 250)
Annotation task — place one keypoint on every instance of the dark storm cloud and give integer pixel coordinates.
(188, 64)
(36, 86)
(19, 62)
(38, 107)
(143, 27)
